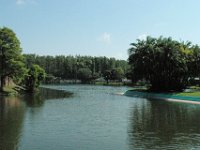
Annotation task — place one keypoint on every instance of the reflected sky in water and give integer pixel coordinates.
(91, 117)
(160, 124)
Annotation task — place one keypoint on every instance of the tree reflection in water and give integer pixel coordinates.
(37, 99)
(11, 120)
(13, 109)
(160, 124)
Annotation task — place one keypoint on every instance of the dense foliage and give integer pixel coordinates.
(84, 74)
(114, 74)
(165, 63)
(33, 78)
(11, 59)
(75, 67)
(12, 66)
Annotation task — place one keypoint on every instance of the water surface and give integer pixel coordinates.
(90, 117)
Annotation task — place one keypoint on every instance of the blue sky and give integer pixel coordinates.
(97, 27)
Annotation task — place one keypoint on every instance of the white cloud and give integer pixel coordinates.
(142, 37)
(105, 38)
(22, 2)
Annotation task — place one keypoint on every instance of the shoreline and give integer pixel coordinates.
(163, 96)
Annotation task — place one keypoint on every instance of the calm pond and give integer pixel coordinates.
(89, 117)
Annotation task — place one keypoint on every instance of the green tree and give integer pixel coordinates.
(117, 74)
(35, 75)
(193, 57)
(160, 61)
(66, 67)
(194, 61)
(107, 75)
(84, 74)
(11, 59)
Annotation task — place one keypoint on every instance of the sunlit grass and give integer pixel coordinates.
(9, 90)
(196, 94)
(190, 91)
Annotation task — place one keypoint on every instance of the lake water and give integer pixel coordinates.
(87, 117)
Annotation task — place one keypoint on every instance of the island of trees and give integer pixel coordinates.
(163, 64)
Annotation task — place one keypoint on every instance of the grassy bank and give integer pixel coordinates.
(190, 94)
(12, 90)
(114, 83)
(191, 91)
(196, 94)
(110, 83)
(8, 91)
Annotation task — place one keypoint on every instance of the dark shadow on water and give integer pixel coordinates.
(54, 94)
(37, 99)
(164, 125)
(12, 111)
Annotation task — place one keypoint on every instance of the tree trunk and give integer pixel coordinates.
(107, 81)
(2, 83)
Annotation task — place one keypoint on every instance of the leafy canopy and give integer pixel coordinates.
(35, 75)
(11, 59)
(163, 62)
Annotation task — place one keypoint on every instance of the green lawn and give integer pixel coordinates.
(190, 91)
(194, 93)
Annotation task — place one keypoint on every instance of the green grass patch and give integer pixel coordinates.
(110, 83)
(192, 91)
(8, 91)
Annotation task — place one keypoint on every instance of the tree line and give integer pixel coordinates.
(84, 68)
